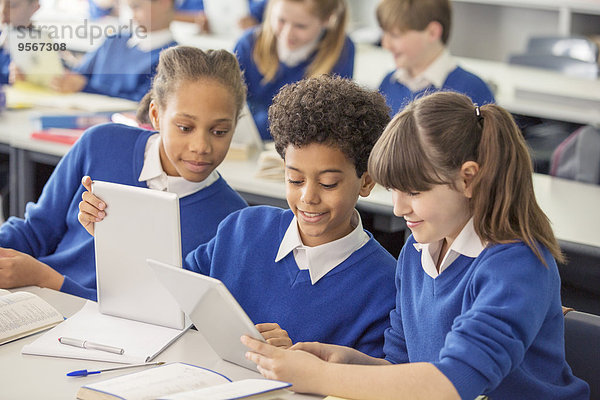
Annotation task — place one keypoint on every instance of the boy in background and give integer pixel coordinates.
(123, 66)
(15, 14)
(416, 33)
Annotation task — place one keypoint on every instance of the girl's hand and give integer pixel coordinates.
(91, 208)
(337, 354)
(293, 366)
(274, 335)
(69, 82)
(15, 74)
(19, 269)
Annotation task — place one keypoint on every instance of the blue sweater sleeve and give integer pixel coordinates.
(72, 287)
(394, 346)
(199, 260)
(510, 295)
(44, 224)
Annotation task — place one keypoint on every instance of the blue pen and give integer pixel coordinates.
(85, 372)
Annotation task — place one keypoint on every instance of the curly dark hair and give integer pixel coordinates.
(332, 111)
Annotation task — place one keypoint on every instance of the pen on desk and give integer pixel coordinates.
(85, 344)
(85, 372)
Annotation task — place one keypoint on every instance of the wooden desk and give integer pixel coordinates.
(35, 377)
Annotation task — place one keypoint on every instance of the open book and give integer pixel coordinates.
(23, 314)
(179, 381)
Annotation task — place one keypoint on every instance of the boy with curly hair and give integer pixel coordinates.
(312, 272)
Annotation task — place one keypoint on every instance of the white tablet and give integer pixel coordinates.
(212, 309)
(139, 224)
(223, 16)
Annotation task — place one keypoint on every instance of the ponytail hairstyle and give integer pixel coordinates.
(180, 64)
(428, 142)
(329, 48)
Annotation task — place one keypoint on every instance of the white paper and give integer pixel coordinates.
(159, 381)
(233, 390)
(141, 342)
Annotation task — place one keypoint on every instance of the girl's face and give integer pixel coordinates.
(321, 190)
(294, 24)
(196, 127)
(439, 213)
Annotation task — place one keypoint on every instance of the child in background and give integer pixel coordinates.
(297, 39)
(478, 307)
(123, 66)
(312, 269)
(15, 14)
(416, 33)
(193, 11)
(196, 99)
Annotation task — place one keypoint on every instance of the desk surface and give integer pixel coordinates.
(35, 377)
(571, 206)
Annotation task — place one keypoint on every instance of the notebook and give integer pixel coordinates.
(139, 224)
(213, 310)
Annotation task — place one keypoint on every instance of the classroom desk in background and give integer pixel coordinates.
(572, 207)
(35, 377)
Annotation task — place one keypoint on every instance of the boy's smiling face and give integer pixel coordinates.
(322, 189)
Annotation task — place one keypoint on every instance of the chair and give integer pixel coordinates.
(582, 348)
(573, 55)
(580, 277)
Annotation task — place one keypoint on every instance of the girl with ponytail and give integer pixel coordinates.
(478, 308)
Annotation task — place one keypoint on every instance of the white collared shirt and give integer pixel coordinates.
(151, 40)
(435, 74)
(319, 260)
(467, 243)
(291, 58)
(156, 178)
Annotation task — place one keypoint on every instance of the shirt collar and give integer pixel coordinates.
(151, 40)
(323, 258)
(435, 74)
(156, 178)
(467, 243)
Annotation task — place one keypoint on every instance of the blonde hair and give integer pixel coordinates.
(428, 142)
(415, 15)
(329, 48)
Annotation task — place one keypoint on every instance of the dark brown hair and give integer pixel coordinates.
(415, 15)
(181, 64)
(332, 111)
(428, 142)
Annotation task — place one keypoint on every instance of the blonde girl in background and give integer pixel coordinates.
(297, 39)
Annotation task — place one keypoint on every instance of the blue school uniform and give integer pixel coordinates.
(260, 94)
(257, 7)
(398, 95)
(4, 64)
(492, 324)
(119, 70)
(51, 231)
(348, 306)
(97, 12)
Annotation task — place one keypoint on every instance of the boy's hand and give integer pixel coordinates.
(68, 83)
(19, 269)
(274, 335)
(296, 367)
(91, 208)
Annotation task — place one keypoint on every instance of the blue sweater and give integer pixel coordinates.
(4, 63)
(398, 96)
(115, 69)
(51, 232)
(492, 325)
(260, 94)
(349, 306)
(257, 7)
